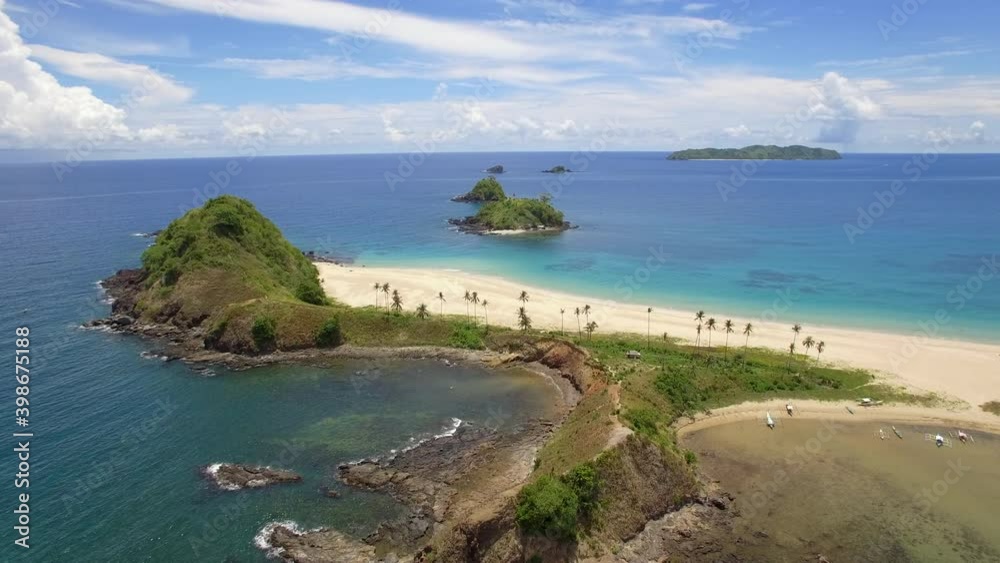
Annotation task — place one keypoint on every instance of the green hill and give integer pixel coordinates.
(757, 152)
(227, 271)
(502, 213)
(519, 213)
(487, 189)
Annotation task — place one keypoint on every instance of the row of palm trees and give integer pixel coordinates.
(393, 301)
(808, 342)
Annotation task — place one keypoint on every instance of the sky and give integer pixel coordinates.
(178, 78)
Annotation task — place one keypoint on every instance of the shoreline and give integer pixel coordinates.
(955, 369)
(812, 409)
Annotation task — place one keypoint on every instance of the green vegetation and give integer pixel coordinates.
(548, 507)
(991, 407)
(519, 213)
(229, 234)
(329, 334)
(758, 152)
(264, 332)
(487, 189)
(555, 507)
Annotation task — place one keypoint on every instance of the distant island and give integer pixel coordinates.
(757, 152)
(498, 169)
(487, 189)
(557, 170)
(502, 214)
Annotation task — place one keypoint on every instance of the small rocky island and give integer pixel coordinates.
(498, 169)
(757, 152)
(509, 215)
(557, 170)
(234, 476)
(487, 189)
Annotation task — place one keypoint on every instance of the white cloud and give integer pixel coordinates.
(35, 110)
(842, 107)
(145, 85)
(696, 6)
(739, 131)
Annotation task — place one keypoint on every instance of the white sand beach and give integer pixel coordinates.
(967, 371)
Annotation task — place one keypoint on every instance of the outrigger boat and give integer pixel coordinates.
(770, 421)
(962, 437)
(866, 402)
(898, 434)
(849, 410)
(939, 440)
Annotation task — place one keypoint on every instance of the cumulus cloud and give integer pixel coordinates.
(841, 107)
(739, 131)
(35, 110)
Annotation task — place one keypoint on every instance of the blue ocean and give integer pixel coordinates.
(120, 437)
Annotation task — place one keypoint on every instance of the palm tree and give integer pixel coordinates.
(468, 299)
(422, 311)
(819, 349)
(591, 327)
(808, 343)
(649, 313)
(475, 304)
(397, 301)
(523, 298)
(728, 325)
(523, 320)
(791, 354)
(710, 325)
(562, 321)
(378, 286)
(586, 311)
(486, 316)
(796, 328)
(442, 300)
(579, 332)
(699, 316)
(747, 330)
(385, 290)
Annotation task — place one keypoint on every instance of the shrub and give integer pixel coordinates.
(468, 336)
(265, 332)
(690, 457)
(329, 334)
(548, 507)
(585, 483)
(682, 391)
(642, 420)
(310, 293)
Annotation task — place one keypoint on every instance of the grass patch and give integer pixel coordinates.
(992, 407)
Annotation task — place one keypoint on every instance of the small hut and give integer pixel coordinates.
(633, 355)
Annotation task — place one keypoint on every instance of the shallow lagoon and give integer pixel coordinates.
(839, 490)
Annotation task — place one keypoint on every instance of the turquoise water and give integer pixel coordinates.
(782, 229)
